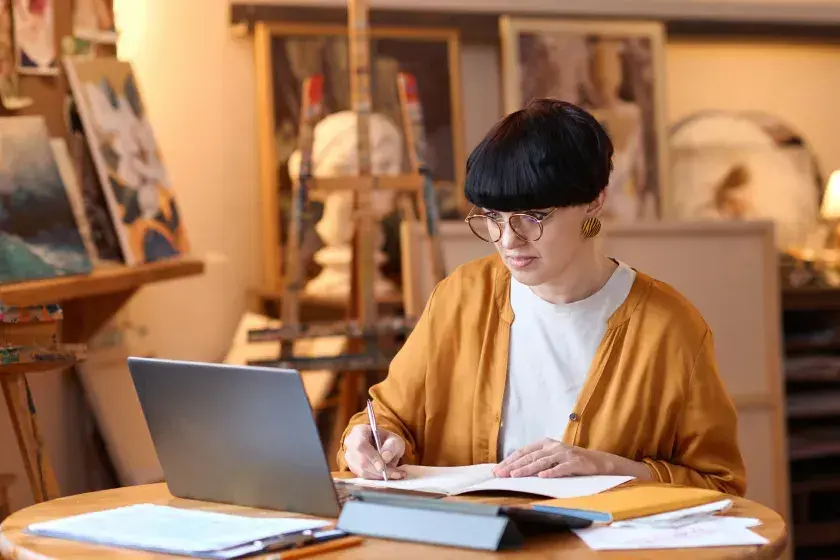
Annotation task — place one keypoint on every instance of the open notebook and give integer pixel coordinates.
(451, 481)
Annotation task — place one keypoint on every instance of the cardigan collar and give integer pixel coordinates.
(501, 294)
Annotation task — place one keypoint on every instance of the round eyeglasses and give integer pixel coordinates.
(527, 226)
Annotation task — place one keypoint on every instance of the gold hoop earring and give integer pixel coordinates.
(590, 227)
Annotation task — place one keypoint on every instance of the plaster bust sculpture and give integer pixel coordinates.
(334, 154)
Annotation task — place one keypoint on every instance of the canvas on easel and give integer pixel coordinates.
(127, 159)
(366, 351)
(286, 54)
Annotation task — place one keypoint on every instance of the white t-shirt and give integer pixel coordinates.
(551, 350)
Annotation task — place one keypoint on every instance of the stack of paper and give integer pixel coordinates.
(712, 531)
(172, 530)
(694, 527)
(452, 481)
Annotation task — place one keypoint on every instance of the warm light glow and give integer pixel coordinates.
(130, 20)
(831, 198)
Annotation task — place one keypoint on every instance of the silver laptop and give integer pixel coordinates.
(235, 434)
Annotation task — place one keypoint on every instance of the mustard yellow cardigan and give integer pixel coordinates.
(652, 394)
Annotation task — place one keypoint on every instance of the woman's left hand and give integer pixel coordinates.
(549, 458)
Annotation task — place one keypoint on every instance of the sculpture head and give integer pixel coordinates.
(334, 154)
(334, 147)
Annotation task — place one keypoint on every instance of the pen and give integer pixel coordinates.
(311, 550)
(372, 420)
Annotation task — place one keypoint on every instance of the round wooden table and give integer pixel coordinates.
(16, 545)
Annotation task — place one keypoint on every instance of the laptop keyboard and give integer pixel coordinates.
(344, 492)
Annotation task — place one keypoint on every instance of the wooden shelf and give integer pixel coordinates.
(87, 302)
(817, 534)
(811, 298)
(100, 282)
(814, 443)
(814, 404)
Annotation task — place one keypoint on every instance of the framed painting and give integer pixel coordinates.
(127, 159)
(34, 34)
(39, 235)
(289, 53)
(616, 71)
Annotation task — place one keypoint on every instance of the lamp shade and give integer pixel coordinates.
(831, 199)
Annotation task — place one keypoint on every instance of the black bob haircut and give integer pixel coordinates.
(551, 153)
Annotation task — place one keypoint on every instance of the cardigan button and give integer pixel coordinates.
(573, 416)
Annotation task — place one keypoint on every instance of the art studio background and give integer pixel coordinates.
(723, 124)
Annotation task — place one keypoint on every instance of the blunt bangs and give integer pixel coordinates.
(551, 153)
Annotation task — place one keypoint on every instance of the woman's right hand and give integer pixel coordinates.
(363, 459)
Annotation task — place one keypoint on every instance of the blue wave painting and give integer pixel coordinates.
(39, 237)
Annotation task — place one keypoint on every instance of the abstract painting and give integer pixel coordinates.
(615, 71)
(39, 237)
(34, 25)
(127, 159)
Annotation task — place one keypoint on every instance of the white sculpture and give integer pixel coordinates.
(334, 154)
(726, 166)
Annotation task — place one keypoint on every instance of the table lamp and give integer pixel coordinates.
(830, 209)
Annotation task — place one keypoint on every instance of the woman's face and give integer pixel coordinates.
(547, 259)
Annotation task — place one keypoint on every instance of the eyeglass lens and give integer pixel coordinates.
(490, 230)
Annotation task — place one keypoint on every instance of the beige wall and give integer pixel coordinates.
(197, 82)
(797, 82)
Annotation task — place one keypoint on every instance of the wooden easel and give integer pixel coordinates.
(364, 327)
(29, 344)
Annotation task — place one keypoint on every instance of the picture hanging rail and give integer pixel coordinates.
(479, 21)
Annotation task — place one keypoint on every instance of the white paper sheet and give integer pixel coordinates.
(712, 532)
(566, 487)
(477, 478)
(169, 529)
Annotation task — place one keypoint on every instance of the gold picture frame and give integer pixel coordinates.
(614, 69)
(271, 153)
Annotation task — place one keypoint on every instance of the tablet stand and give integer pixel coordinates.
(458, 524)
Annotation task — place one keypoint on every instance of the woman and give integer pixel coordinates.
(551, 355)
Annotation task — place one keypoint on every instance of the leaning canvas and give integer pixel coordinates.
(34, 37)
(39, 237)
(127, 158)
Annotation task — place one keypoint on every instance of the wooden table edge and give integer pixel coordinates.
(10, 528)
